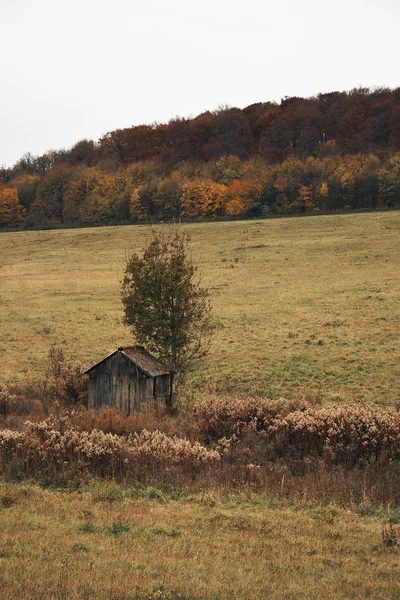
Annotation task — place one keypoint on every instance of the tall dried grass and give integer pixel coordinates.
(347, 435)
(285, 447)
(224, 416)
(55, 448)
(7, 400)
(340, 434)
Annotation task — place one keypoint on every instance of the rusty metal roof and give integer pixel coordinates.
(146, 362)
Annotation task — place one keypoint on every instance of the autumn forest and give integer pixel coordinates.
(335, 152)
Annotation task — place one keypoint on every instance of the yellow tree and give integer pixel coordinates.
(95, 196)
(235, 204)
(11, 211)
(347, 182)
(323, 194)
(137, 211)
(395, 164)
(289, 176)
(202, 197)
(75, 194)
(306, 201)
(242, 195)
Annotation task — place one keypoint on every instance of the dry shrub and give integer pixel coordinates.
(224, 416)
(32, 399)
(294, 429)
(288, 448)
(68, 384)
(53, 448)
(109, 420)
(14, 407)
(155, 418)
(345, 435)
(7, 400)
(65, 386)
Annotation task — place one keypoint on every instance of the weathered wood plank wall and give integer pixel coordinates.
(120, 383)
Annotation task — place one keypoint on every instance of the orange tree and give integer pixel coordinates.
(11, 211)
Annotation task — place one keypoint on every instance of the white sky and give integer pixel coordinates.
(74, 69)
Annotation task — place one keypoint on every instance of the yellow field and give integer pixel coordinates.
(110, 544)
(302, 305)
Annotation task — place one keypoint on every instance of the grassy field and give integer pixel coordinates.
(117, 544)
(301, 305)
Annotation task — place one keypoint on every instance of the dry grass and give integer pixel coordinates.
(302, 305)
(116, 544)
(341, 454)
(303, 308)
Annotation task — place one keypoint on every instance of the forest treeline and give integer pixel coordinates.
(336, 151)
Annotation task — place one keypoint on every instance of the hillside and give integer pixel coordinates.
(301, 305)
(336, 151)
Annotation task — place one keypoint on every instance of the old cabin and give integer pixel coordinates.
(129, 379)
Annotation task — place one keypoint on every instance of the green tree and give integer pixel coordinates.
(165, 304)
(389, 186)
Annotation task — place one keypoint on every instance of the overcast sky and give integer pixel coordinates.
(74, 69)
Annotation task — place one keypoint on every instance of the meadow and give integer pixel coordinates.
(116, 543)
(302, 306)
(245, 496)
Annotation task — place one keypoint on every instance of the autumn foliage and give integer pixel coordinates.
(11, 211)
(336, 151)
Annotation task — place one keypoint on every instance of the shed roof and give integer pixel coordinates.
(137, 355)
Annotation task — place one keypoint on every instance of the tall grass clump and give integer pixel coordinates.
(66, 381)
(224, 416)
(7, 400)
(340, 434)
(288, 448)
(347, 435)
(53, 448)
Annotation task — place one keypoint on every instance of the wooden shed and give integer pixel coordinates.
(129, 379)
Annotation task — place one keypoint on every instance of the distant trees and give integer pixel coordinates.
(48, 205)
(230, 187)
(82, 153)
(389, 187)
(11, 211)
(332, 152)
(202, 198)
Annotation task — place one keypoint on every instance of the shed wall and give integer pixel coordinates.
(120, 383)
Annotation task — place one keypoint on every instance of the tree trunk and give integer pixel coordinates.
(170, 399)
